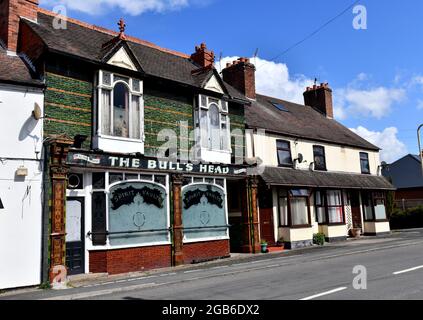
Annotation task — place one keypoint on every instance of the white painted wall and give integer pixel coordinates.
(21, 218)
(338, 158)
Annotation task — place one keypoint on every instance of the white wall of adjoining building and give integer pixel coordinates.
(338, 158)
(21, 218)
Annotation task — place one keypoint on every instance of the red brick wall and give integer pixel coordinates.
(242, 76)
(10, 13)
(208, 250)
(414, 194)
(130, 260)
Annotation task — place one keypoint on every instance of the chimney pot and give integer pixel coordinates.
(202, 56)
(241, 75)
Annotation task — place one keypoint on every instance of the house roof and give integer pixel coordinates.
(14, 70)
(318, 179)
(406, 172)
(88, 42)
(300, 121)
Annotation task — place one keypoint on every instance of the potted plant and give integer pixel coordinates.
(319, 239)
(281, 243)
(263, 245)
(356, 232)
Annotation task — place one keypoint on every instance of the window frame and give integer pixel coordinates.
(289, 197)
(372, 199)
(326, 206)
(116, 78)
(324, 166)
(366, 154)
(203, 103)
(286, 165)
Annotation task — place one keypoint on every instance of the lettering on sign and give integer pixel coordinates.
(193, 197)
(125, 196)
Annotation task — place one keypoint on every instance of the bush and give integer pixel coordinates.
(319, 238)
(406, 219)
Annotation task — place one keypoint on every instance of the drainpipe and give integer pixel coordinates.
(420, 146)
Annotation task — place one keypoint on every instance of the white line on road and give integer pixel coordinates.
(324, 293)
(408, 270)
(191, 271)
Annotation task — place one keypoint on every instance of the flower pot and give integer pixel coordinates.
(356, 232)
(263, 248)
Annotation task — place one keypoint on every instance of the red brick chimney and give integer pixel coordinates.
(202, 56)
(320, 98)
(10, 13)
(241, 74)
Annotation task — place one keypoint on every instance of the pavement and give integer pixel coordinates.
(385, 267)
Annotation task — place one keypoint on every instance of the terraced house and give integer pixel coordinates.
(148, 162)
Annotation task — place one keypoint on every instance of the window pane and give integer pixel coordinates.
(98, 180)
(299, 212)
(321, 216)
(336, 215)
(136, 85)
(129, 176)
(121, 110)
(380, 211)
(283, 211)
(319, 158)
(105, 111)
(160, 179)
(107, 78)
(283, 144)
(214, 127)
(334, 198)
(98, 218)
(115, 177)
(135, 118)
(364, 161)
(203, 128)
(284, 157)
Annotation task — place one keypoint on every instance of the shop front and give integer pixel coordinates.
(123, 213)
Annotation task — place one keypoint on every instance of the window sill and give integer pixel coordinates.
(119, 138)
(217, 150)
(335, 224)
(286, 166)
(378, 220)
(305, 226)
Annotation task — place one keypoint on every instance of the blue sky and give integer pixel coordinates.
(376, 74)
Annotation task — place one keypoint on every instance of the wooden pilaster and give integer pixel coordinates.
(58, 174)
(255, 227)
(178, 257)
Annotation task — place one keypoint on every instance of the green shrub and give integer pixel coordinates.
(405, 219)
(45, 285)
(319, 238)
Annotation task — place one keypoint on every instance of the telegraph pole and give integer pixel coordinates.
(420, 145)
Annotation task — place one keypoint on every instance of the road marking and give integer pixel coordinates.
(191, 271)
(408, 270)
(324, 293)
(219, 267)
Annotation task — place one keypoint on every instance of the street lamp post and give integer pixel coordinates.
(420, 145)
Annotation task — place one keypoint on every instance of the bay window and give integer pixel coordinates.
(374, 206)
(329, 206)
(212, 123)
(294, 208)
(120, 106)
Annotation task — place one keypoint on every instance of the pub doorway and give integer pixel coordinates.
(75, 235)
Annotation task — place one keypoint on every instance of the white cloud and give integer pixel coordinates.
(374, 102)
(273, 79)
(131, 7)
(387, 140)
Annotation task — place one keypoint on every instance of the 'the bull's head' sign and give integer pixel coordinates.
(127, 162)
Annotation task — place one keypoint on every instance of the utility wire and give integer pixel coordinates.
(314, 32)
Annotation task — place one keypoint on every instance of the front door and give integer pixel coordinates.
(266, 225)
(74, 235)
(355, 210)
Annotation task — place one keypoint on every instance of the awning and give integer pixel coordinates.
(319, 179)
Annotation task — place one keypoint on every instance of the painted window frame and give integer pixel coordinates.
(116, 78)
(324, 203)
(202, 180)
(322, 167)
(289, 196)
(371, 197)
(289, 149)
(106, 190)
(364, 156)
(203, 104)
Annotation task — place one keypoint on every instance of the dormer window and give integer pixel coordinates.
(120, 106)
(212, 124)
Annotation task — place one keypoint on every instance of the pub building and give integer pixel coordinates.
(111, 206)
(111, 101)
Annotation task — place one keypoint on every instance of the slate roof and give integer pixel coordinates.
(302, 122)
(86, 42)
(406, 172)
(14, 70)
(319, 179)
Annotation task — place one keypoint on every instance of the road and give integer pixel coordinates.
(394, 267)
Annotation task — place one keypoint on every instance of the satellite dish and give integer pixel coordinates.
(300, 158)
(36, 113)
(384, 164)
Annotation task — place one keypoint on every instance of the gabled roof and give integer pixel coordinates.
(88, 42)
(301, 122)
(405, 172)
(13, 70)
